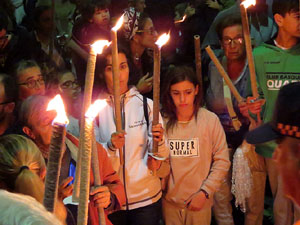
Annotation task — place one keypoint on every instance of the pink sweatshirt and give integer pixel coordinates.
(199, 158)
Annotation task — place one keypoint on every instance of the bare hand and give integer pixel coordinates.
(213, 4)
(64, 190)
(197, 202)
(189, 11)
(118, 139)
(244, 109)
(145, 84)
(100, 196)
(153, 164)
(252, 105)
(157, 132)
(255, 105)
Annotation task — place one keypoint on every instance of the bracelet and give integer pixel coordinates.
(205, 193)
(110, 146)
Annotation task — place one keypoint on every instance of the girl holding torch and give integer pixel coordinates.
(142, 189)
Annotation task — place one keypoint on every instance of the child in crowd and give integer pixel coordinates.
(199, 158)
(93, 25)
(142, 188)
(70, 91)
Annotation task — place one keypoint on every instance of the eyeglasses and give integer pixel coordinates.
(33, 83)
(70, 84)
(228, 41)
(150, 31)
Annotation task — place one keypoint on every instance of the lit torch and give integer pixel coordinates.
(180, 21)
(55, 152)
(246, 31)
(90, 115)
(116, 80)
(162, 40)
(96, 48)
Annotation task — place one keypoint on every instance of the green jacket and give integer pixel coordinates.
(274, 68)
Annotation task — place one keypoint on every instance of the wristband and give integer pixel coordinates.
(205, 193)
(110, 146)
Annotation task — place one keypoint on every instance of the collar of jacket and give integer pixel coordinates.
(124, 97)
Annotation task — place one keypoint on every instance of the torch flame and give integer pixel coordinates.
(95, 108)
(248, 3)
(119, 23)
(162, 40)
(57, 104)
(182, 20)
(98, 46)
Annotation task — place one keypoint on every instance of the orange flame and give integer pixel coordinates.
(95, 108)
(98, 46)
(162, 40)
(57, 104)
(119, 23)
(247, 3)
(182, 20)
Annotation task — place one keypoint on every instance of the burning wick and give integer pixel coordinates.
(162, 40)
(57, 104)
(119, 23)
(98, 46)
(95, 108)
(248, 3)
(180, 21)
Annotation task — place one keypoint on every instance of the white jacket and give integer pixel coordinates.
(141, 187)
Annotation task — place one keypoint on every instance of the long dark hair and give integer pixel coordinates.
(102, 62)
(175, 75)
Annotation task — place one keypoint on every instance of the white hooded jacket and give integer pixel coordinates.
(141, 187)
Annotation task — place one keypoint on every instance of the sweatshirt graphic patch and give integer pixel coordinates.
(276, 80)
(184, 147)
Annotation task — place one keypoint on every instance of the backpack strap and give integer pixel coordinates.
(146, 110)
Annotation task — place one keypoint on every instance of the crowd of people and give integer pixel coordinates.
(44, 49)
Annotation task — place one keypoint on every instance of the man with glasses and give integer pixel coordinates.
(220, 101)
(29, 79)
(7, 102)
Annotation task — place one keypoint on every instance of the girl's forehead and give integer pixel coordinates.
(186, 84)
(67, 76)
(148, 23)
(99, 10)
